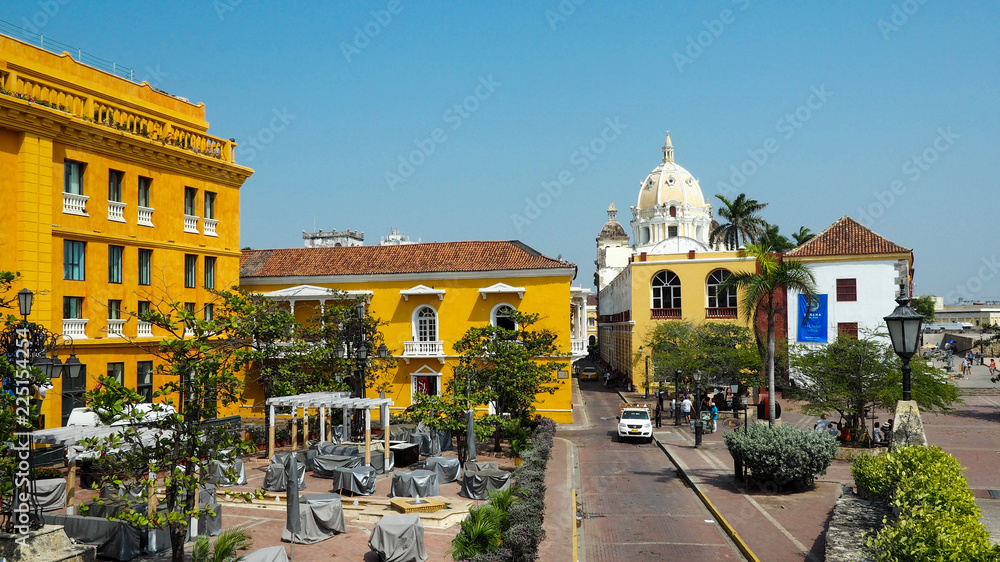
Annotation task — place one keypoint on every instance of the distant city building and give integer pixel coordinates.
(334, 238)
(979, 313)
(396, 238)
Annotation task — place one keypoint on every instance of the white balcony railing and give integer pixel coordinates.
(116, 211)
(145, 330)
(578, 346)
(145, 216)
(210, 227)
(74, 204)
(190, 224)
(115, 328)
(423, 349)
(75, 328)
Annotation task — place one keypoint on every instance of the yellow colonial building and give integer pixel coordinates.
(671, 272)
(115, 196)
(430, 294)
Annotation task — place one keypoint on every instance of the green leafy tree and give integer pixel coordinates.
(198, 364)
(743, 222)
(802, 236)
(777, 241)
(510, 368)
(854, 376)
(761, 292)
(226, 546)
(722, 351)
(924, 306)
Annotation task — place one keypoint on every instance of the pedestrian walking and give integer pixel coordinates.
(993, 367)
(686, 408)
(715, 417)
(658, 412)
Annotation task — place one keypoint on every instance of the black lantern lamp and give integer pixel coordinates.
(24, 299)
(362, 352)
(904, 330)
(72, 366)
(383, 351)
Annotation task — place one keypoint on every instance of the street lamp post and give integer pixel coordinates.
(647, 377)
(904, 331)
(698, 429)
(677, 397)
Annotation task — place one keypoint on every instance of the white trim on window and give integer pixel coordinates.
(501, 288)
(493, 313)
(424, 371)
(422, 290)
(416, 320)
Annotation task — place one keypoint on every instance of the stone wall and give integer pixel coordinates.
(853, 516)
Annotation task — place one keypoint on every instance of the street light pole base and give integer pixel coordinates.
(907, 427)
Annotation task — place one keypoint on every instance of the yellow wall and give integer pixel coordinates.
(461, 308)
(175, 151)
(621, 347)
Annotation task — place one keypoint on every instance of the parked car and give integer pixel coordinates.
(588, 374)
(634, 420)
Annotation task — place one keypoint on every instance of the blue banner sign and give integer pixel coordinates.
(812, 319)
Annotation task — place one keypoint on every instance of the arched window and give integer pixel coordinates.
(666, 290)
(502, 316)
(425, 324)
(716, 298)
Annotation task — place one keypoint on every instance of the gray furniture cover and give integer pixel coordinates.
(317, 521)
(268, 554)
(323, 465)
(275, 478)
(399, 538)
(411, 484)
(401, 432)
(345, 450)
(51, 493)
(478, 483)
(429, 446)
(445, 438)
(328, 448)
(217, 473)
(357, 480)
(306, 457)
(378, 460)
(115, 540)
(480, 465)
(446, 468)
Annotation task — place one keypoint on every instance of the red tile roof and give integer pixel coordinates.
(407, 258)
(591, 300)
(847, 237)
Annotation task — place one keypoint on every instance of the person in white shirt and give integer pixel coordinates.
(686, 408)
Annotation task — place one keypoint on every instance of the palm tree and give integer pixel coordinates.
(802, 236)
(744, 222)
(760, 296)
(777, 241)
(229, 541)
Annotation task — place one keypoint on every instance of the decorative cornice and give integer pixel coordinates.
(89, 235)
(62, 127)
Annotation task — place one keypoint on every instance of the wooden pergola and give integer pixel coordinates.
(324, 401)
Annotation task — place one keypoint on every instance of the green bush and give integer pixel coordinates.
(938, 517)
(782, 457)
(45, 473)
(871, 473)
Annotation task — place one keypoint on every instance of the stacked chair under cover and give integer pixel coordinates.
(359, 480)
(324, 465)
(275, 478)
(477, 484)
(446, 468)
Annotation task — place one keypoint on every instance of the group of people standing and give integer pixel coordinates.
(707, 405)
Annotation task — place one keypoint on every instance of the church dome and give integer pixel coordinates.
(670, 183)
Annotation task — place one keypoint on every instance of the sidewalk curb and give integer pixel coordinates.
(740, 543)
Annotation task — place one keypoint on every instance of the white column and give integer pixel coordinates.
(322, 423)
(368, 436)
(384, 413)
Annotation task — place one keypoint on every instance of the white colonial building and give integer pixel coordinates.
(858, 275)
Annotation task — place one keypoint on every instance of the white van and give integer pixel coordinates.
(86, 417)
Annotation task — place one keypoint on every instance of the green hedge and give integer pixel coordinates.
(938, 517)
(782, 457)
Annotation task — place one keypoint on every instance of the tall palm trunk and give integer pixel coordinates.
(770, 362)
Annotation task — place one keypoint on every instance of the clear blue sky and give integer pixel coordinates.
(550, 76)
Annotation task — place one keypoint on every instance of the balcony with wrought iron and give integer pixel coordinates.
(145, 329)
(423, 349)
(145, 217)
(75, 328)
(720, 312)
(116, 211)
(115, 328)
(665, 313)
(74, 204)
(210, 227)
(191, 224)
